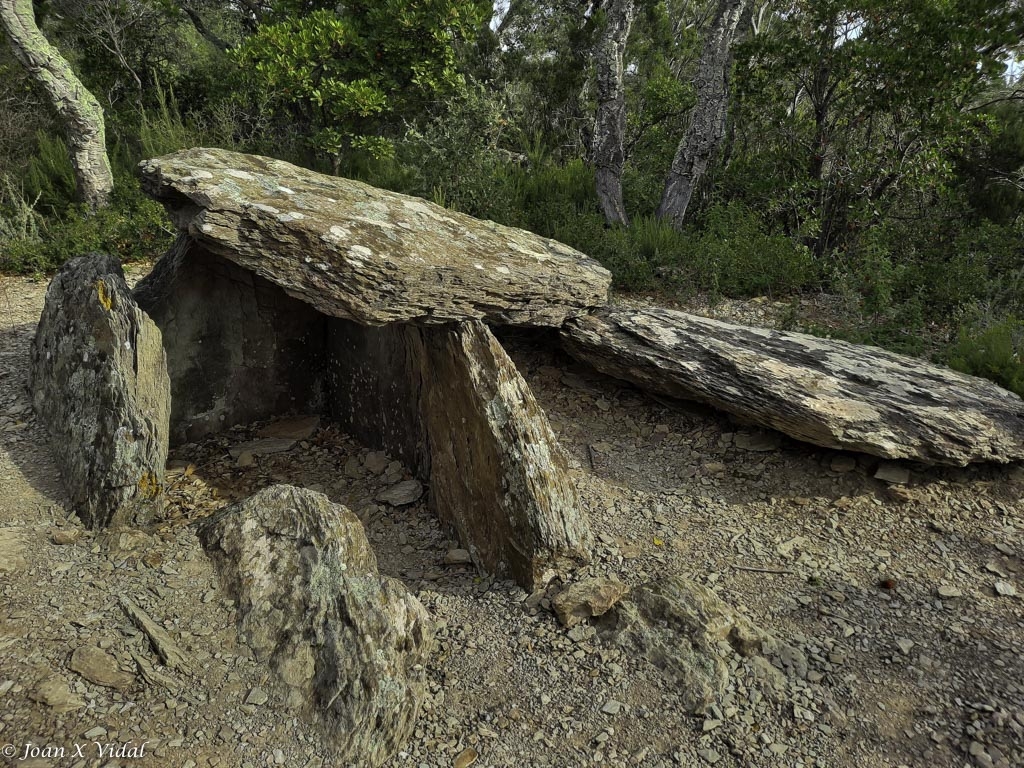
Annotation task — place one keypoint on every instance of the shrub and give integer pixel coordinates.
(18, 217)
(736, 256)
(133, 227)
(992, 351)
(50, 178)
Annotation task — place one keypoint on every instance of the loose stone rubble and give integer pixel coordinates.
(689, 633)
(100, 385)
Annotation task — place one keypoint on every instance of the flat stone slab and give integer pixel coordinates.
(360, 253)
(829, 393)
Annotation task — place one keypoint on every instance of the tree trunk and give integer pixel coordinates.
(707, 122)
(608, 153)
(78, 110)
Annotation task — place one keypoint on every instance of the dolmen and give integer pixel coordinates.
(288, 291)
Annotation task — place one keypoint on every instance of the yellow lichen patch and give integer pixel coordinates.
(149, 486)
(106, 298)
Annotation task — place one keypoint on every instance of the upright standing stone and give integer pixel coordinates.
(100, 386)
(498, 474)
(347, 644)
(451, 403)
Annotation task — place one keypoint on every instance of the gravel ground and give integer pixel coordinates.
(914, 658)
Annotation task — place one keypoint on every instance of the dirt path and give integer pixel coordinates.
(851, 573)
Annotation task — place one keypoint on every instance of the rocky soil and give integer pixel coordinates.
(905, 599)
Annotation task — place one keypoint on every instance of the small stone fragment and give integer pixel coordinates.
(377, 462)
(843, 463)
(1005, 588)
(758, 442)
(263, 447)
(400, 494)
(62, 536)
(585, 599)
(54, 693)
(458, 557)
(257, 697)
(299, 428)
(170, 654)
(612, 707)
(945, 590)
(905, 645)
(890, 472)
(465, 758)
(100, 668)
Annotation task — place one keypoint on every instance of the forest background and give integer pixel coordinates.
(867, 155)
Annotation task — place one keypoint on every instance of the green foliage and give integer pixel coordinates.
(992, 351)
(736, 256)
(50, 178)
(458, 157)
(163, 129)
(346, 70)
(19, 220)
(133, 227)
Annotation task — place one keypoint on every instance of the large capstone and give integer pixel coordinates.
(365, 254)
(100, 387)
(826, 392)
(346, 644)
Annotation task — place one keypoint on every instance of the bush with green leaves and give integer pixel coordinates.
(132, 227)
(346, 73)
(992, 350)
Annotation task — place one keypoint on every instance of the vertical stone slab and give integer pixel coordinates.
(374, 382)
(450, 403)
(497, 473)
(239, 349)
(100, 386)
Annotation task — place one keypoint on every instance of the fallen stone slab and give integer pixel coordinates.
(347, 644)
(298, 428)
(401, 493)
(365, 254)
(829, 393)
(451, 403)
(688, 632)
(100, 387)
(265, 446)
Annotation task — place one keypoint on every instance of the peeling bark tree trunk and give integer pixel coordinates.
(707, 122)
(610, 123)
(78, 110)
